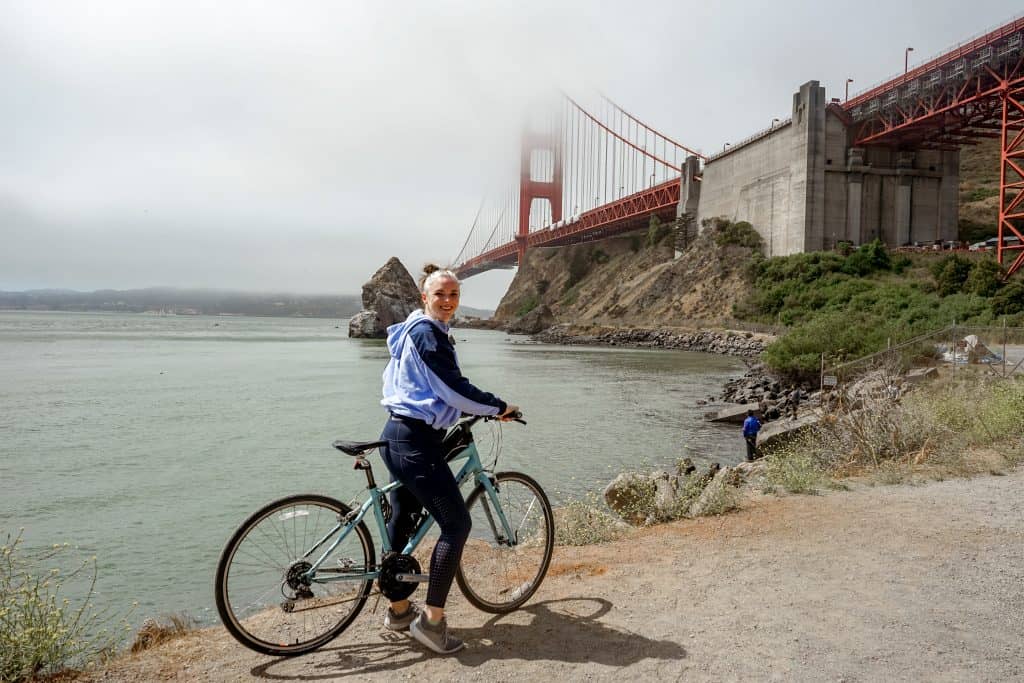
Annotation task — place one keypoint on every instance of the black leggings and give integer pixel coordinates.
(414, 456)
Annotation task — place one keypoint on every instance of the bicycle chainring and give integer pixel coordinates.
(391, 566)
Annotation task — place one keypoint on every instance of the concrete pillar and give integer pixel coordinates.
(689, 187)
(854, 201)
(904, 160)
(854, 194)
(949, 197)
(807, 221)
(902, 209)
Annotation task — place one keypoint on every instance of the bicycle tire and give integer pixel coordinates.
(273, 628)
(495, 577)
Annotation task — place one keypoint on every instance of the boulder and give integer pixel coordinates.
(666, 495)
(709, 501)
(628, 495)
(537, 320)
(734, 414)
(389, 297)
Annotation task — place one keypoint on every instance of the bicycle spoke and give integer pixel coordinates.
(263, 593)
(498, 575)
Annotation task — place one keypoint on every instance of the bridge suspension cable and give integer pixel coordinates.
(594, 166)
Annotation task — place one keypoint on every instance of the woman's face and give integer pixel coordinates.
(441, 299)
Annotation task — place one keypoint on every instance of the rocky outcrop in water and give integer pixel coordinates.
(389, 297)
(537, 320)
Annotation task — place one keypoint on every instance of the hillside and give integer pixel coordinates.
(633, 280)
(979, 191)
(637, 280)
(183, 302)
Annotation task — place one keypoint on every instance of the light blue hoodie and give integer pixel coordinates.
(422, 379)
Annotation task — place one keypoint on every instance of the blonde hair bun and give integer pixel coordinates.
(432, 272)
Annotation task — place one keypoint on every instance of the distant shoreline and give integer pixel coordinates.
(169, 314)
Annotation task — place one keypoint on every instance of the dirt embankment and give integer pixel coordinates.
(879, 583)
(630, 281)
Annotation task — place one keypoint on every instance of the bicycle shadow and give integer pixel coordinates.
(545, 634)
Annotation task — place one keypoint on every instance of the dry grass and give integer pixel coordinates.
(963, 425)
(153, 632)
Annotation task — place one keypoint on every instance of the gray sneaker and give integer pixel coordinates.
(436, 637)
(400, 622)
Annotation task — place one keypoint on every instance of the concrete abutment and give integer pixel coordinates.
(805, 187)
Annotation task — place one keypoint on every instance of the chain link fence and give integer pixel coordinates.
(996, 349)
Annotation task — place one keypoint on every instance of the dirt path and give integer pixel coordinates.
(885, 583)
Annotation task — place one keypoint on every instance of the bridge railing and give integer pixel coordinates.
(937, 60)
(751, 138)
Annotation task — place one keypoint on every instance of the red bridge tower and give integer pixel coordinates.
(530, 188)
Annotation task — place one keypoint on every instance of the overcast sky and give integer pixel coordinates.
(296, 146)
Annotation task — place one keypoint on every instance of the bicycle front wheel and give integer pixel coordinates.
(263, 592)
(498, 575)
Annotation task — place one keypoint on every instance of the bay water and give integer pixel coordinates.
(145, 440)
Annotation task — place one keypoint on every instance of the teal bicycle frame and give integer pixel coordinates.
(472, 468)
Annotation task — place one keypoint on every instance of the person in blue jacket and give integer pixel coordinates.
(425, 394)
(751, 426)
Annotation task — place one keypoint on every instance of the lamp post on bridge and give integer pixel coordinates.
(848, 82)
(906, 59)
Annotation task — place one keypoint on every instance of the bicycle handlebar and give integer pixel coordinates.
(514, 417)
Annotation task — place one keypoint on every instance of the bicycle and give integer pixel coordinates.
(298, 571)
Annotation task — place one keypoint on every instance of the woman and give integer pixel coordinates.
(425, 392)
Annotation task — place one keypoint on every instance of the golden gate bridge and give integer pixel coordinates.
(590, 173)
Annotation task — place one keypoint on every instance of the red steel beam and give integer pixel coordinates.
(958, 53)
(618, 216)
(1011, 180)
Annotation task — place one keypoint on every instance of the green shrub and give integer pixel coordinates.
(599, 256)
(985, 278)
(656, 231)
(42, 632)
(950, 274)
(579, 266)
(840, 336)
(867, 259)
(1009, 300)
(741, 234)
(529, 303)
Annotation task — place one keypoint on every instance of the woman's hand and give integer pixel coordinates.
(510, 412)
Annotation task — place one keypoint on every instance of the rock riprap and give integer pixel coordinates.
(389, 297)
(649, 498)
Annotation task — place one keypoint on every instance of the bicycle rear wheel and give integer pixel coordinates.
(262, 597)
(497, 576)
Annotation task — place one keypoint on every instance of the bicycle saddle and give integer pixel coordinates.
(356, 448)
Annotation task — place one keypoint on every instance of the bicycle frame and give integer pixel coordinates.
(473, 468)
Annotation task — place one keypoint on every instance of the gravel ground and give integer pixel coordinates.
(879, 583)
